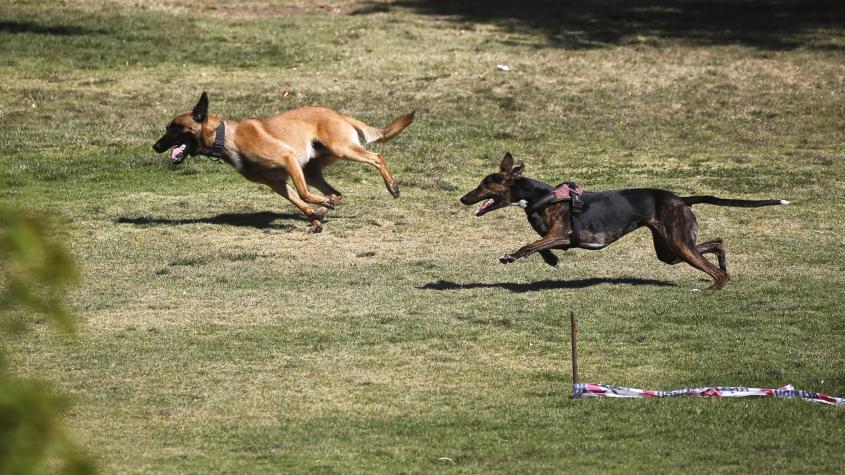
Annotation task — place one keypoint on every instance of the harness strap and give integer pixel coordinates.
(217, 148)
(542, 203)
(566, 191)
(575, 226)
(576, 203)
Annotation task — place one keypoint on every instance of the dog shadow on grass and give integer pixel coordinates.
(518, 287)
(257, 220)
(15, 26)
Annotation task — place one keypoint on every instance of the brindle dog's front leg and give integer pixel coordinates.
(549, 257)
(548, 242)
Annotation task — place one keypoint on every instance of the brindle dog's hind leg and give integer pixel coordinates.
(665, 251)
(692, 257)
(714, 247)
(674, 241)
(668, 254)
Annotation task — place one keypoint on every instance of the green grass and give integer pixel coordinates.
(218, 336)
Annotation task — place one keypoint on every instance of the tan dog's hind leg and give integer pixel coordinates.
(341, 139)
(271, 155)
(358, 153)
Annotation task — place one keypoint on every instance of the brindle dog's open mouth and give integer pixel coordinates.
(486, 206)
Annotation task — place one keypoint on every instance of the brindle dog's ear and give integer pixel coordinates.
(517, 170)
(200, 111)
(507, 163)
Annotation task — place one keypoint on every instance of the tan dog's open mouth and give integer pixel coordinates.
(179, 153)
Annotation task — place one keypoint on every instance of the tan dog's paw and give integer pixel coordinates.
(314, 228)
(321, 212)
(393, 188)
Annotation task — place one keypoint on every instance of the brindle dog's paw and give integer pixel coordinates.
(550, 259)
(314, 228)
(507, 258)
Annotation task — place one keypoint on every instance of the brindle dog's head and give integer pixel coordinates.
(184, 131)
(496, 189)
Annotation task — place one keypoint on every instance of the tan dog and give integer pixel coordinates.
(296, 144)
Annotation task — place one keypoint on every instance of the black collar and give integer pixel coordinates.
(217, 148)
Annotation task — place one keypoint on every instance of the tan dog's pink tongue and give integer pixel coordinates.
(177, 152)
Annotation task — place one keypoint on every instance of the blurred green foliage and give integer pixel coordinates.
(34, 271)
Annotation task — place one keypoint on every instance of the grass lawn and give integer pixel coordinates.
(216, 335)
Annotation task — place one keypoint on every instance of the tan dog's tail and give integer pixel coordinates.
(376, 135)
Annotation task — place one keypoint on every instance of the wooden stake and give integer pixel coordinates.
(574, 350)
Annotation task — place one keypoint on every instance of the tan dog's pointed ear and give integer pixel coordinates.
(507, 163)
(517, 170)
(200, 112)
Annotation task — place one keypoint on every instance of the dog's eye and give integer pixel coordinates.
(498, 178)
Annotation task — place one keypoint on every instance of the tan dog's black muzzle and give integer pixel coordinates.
(164, 143)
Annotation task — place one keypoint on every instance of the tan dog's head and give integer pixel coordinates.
(183, 133)
(496, 189)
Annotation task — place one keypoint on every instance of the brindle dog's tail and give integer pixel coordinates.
(712, 200)
(376, 135)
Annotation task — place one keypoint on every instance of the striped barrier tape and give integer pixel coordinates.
(605, 390)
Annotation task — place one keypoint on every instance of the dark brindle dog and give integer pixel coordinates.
(604, 217)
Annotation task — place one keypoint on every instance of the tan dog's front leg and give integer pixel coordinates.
(314, 177)
(290, 194)
(301, 186)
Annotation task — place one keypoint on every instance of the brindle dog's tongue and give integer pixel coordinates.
(484, 205)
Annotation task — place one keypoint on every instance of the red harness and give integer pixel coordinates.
(563, 192)
(567, 191)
